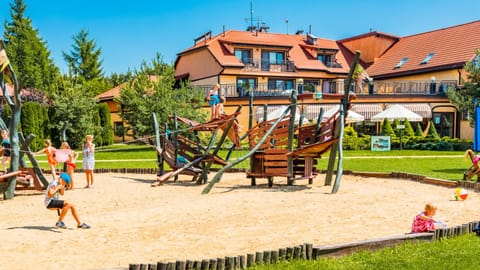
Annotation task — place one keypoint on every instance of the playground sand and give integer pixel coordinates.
(135, 223)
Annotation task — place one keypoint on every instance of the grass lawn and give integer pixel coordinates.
(454, 253)
(448, 165)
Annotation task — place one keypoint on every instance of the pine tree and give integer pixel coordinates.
(28, 53)
(408, 129)
(84, 58)
(386, 129)
(432, 131)
(418, 130)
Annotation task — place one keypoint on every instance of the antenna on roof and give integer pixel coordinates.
(286, 21)
(252, 27)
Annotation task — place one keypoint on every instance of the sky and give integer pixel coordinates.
(131, 32)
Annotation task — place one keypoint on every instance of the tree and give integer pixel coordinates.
(78, 110)
(28, 53)
(432, 131)
(408, 129)
(84, 58)
(386, 129)
(464, 98)
(85, 66)
(418, 130)
(105, 124)
(152, 91)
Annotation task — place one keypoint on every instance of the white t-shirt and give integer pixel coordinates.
(54, 183)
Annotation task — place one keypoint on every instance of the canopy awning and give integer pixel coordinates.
(422, 109)
(367, 109)
(313, 110)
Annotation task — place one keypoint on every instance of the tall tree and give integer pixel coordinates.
(152, 91)
(84, 58)
(464, 98)
(28, 53)
(78, 110)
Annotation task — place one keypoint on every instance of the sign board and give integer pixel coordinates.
(400, 126)
(380, 143)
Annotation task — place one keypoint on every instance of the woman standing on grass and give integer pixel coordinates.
(88, 150)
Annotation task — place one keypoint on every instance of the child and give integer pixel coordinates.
(88, 150)
(424, 221)
(54, 190)
(50, 152)
(214, 100)
(220, 106)
(71, 162)
(5, 149)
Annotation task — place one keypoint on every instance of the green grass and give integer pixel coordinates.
(448, 165)
(454, 253)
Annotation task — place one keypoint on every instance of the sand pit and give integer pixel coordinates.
(135, 223)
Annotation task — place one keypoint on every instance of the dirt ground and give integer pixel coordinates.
(133, 222)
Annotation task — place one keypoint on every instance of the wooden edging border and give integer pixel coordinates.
(304, 251)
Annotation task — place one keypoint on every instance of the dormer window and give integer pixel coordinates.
(400, 64)
(326, 59)
(429, 56)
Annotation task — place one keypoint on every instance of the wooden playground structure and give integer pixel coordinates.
(277, 147)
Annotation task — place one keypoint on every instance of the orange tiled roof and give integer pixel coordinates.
(452, 47)
(112, 93)
(301, 53)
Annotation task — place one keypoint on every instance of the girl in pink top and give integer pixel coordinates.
(424, 221)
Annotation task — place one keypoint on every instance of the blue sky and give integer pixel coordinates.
(129, 32)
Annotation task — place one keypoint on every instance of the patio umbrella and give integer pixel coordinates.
(352, 116)
(396, 112)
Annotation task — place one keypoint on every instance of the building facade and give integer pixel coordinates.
(414, 71)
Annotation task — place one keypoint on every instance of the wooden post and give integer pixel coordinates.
(343, 111)
(291, 130)
(218, 175)
(16, 106)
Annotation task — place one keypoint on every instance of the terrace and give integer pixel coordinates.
(399, 88)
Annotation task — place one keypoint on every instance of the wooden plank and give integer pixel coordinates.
(276, 157)
(276, 164)
(277, 171)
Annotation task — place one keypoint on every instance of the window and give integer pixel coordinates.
(276, 84)
(326, 59)
(429, 56)
(405, 59)
(245, 56)
(118, 129)
(272, 58)
(244, 85)
(310, 85)
(476, 61)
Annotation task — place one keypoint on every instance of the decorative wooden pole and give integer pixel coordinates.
(291, 131)
(7, 72)
(220, 172)
(343, 111)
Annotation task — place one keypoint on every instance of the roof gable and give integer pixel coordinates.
(299, 50)
(449, 48)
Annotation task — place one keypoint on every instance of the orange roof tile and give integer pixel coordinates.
(221, 48)
(112, 93)
(452, 47)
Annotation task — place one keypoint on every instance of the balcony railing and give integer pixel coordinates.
(414, 88)
(264, 65)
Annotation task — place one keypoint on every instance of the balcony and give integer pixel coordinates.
(412, 88)
(261, 65)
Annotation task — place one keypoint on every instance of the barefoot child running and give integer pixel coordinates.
(54, 190)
